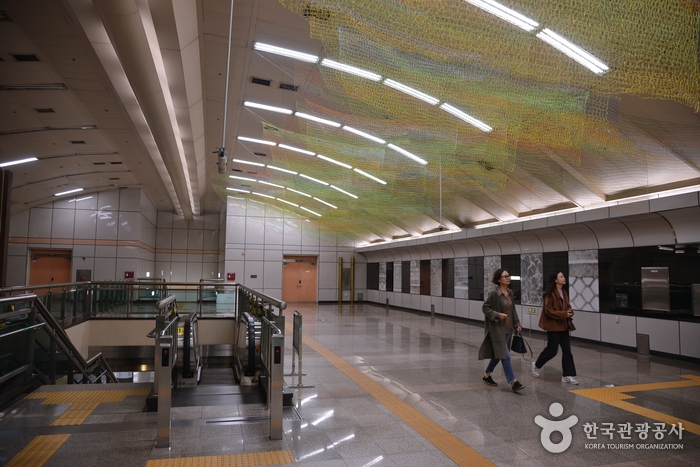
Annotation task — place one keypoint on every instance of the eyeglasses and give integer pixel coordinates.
(505, 277)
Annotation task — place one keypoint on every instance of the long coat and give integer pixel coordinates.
(494, 344)
(553, 316)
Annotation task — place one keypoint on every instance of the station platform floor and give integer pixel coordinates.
(387, 387)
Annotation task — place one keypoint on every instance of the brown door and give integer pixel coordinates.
(299, 279)
(49, 267)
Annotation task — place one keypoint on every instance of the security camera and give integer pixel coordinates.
(441, 228)
(222, 160)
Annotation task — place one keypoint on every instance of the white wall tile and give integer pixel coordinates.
(19, 224)
(292, 232)
(105, 269)
(165, 220)
(65, 204)
(179, 239)
(63, 224)
(622, 333)
(255, 230)
(210, 239)
(254, 274)
(196, 223)
(108, 200)
(85, 224)
(40, 222)
(255, 208)
(272, 274)
(690, 344)
(274, 231)
(16, 270)
(164, 238)
(663, 334)
(235, 230)
(179, 271)
(129, 227)
(179, 222)
(195, 240)
(106, 251)
(86, 203)
(236, 206)
(107, 225)
(273, 254)
(129, 200)
(128, 252)
(194, 271)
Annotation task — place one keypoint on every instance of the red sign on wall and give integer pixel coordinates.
(128, 274)
(230, 276)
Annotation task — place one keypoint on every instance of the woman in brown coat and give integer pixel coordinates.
(555, 312)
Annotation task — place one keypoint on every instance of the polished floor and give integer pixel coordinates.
(390, 388)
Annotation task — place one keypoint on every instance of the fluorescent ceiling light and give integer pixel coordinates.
(317, 119)
(407, 154)
(351, 69)
(281, 169)
(248, 162)
(288, 202)
(270, 184)
(309, 210)
(298, 192)
(285, 52)
(242, 178)
(292, 148)
(369, 176)
(79, 199)
(326, 203)
(573, 51)
(505, 13)
(411, 92)
(314, 180)
(259, 141)
(237, 190)
(264, 196)
(344, 192)
(364, 135)
(466, 117)
(325, 158)
(68, 192)
(267, 107)
(18, 161)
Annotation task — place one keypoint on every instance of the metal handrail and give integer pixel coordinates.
(155, 330)
(22, 330)
(69, 349)
(162, 303)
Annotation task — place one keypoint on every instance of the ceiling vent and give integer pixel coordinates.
(260, 154)
(114, 178)
(236, 170)
(45, 111)
(99, 163)
(77, 142)
(288, 87)
(260, 81)
(316, 13)
(25, 57)
(116, 163)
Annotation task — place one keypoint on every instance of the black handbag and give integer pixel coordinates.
(518, 344)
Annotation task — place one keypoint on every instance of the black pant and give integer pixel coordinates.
(554, 340)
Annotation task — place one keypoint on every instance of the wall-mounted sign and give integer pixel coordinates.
(128, 274)
(230, 276)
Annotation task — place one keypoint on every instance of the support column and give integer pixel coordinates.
(5, 205)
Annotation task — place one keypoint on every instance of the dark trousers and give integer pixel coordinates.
(554, 340)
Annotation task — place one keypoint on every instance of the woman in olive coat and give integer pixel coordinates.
(500, 322)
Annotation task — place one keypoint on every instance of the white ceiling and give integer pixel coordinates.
(150, 77)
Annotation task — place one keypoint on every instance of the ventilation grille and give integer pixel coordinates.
(45, 111)
(316, 13)
(25, 57)
(288, 87)
(260, 154)
(77, 142)
(260, 81)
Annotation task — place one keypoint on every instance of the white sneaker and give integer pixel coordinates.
(535, 371)
(569, 379)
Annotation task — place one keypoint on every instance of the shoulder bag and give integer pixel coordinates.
(518, 344)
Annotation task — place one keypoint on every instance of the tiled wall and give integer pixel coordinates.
(531, 279)
(382, 276)
(187, 251)
(583, 278)
(462, 278)
(109, 233)
(258, 235)
(397, 276)
(436, 277)
(491, 264)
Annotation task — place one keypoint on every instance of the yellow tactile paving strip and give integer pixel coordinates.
(250, 459)
(38, 451)
(83, 402)
(615, 396)
(450, 445)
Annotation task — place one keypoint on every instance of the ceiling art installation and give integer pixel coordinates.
(375, 120)
(550, 122)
